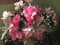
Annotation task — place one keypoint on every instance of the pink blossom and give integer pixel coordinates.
(39, 10)
(29, 13)
(19, 35)
(29, 10)
(12, 33)
(41, 35)
(15, 34)
(16, 19)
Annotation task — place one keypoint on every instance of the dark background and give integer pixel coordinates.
(7, 1)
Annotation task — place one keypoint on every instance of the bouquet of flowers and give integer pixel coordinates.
(29, 23)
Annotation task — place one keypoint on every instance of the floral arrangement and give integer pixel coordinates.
(30, 23)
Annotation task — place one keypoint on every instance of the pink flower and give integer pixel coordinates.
(16, 20)
(12, 33)
(29, 10)
(39, 10)
(29, 13)
(42, 35)
(19, 35)
(14, 30)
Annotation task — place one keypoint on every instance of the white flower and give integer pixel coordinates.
(47, 16)
(16, 4)
(22, 13)
(5, 15)
(47, 23)
(16, 8)
(5, 41)
(21, 2)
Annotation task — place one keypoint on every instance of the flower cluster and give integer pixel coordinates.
(34, 16)
(50, 18)
(19, 4)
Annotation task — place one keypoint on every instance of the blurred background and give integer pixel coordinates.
(55, 4)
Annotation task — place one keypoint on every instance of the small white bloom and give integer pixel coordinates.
(21, 2)
(16, 8)
(16, 4)
(5, 15)
(47, 16)
(48, 24)
(21, 13)
(5, 41)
